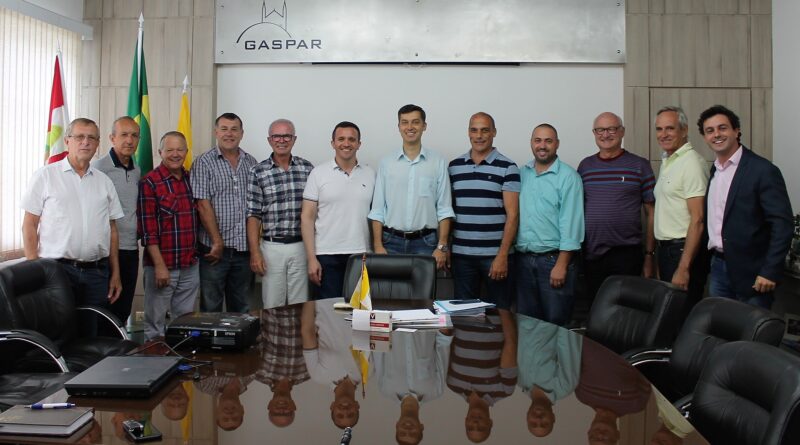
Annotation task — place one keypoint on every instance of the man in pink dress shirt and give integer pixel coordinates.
(749, 217)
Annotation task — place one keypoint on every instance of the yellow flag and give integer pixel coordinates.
(185, 123)
(362, 360)
(186, 422)
(361, 298)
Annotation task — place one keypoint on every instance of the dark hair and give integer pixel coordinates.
(715, 110)
(346, 124)
(546, 125)
(230, 117)
(410, 108)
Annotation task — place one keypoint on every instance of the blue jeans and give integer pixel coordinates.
(535, 297)
(399, 245)
(469, 271)
(90, 286)
(720, 286)
(229, 279)
(332, 284)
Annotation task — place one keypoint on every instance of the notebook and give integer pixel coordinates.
(20, 420)
(134, 376)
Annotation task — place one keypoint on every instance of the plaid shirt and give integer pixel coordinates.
(276, 195)
(214, 179)
(168, 217)
(282, 346)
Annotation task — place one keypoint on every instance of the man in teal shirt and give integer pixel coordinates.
(550, 232)
(411, 206)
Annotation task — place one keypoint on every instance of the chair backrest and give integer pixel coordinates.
(749, 393)
(631, 312)
(714, 322)
(393, 277)
(37, 295)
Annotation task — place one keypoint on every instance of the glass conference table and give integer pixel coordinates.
(494, 380)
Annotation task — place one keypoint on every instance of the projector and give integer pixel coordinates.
(214, 330)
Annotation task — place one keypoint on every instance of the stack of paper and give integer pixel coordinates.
(420, 319)
(461, 307)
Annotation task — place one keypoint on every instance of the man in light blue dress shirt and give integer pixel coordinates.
(550, 232)
(411, 206)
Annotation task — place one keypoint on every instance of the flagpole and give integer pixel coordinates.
(61, 75)
(139, 48)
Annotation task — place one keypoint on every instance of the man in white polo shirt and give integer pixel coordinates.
(336, 202)
(70, 209)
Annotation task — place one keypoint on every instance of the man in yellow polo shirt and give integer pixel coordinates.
(680, 204)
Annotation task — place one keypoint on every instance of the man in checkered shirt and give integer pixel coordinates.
(219, 183)
(167, 226)
(274, 199)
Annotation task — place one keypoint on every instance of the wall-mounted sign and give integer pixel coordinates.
(418, 31)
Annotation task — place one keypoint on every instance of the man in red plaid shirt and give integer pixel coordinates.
(168, 227)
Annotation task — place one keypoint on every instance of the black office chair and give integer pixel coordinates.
(35, 296)
(630, 313)
(393, 277)
(748, 394)
(24, 388)
(711, 323)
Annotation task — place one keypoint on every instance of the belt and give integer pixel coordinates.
(669, 242)
(99, 264)
(283, 239)
(228, 250)
(409, 235)
(718, 254)
(549, 252)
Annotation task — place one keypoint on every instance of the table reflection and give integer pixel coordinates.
(483, 368)
(549, 362)
(429, 386)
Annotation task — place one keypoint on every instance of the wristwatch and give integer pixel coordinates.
(443, 247)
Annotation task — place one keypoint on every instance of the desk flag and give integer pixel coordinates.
(361, 298)
(139, 104)
(55, 149)
(185, 123)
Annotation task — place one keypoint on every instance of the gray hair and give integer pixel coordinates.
(683, 121)
(281, 121)
(168, 134)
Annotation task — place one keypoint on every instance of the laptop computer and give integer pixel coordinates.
(128, 376)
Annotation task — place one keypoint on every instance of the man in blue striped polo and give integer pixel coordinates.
(486, 203)
(550, 232)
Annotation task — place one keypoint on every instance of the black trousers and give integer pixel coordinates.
(622, 260)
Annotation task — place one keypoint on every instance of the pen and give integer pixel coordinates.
(51, 406)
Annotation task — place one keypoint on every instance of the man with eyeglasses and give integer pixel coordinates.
(219, 183)
(411, 206)
(617, 184)
(274, 202)
(680, 205)
(334, 216)
(118, 165)
(71, 209)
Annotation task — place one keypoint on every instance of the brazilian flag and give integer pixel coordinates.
(139, 105)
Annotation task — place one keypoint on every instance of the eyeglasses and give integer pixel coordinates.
(609, 130)
(281, 137)
(83, 137)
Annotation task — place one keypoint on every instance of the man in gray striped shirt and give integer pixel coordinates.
(274, 199)
(219, 182)
(486, 202)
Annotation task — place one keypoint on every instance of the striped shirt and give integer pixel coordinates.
(475, 362)
(276, 195)
(214, 179)
(168, 218)
(281, 346)
(614, 190)
(478, 201)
